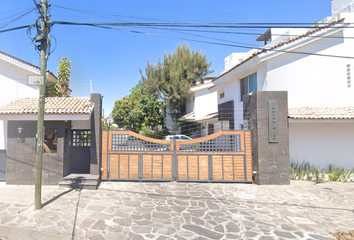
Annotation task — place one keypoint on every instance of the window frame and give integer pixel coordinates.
(245, 85)
(50, 142)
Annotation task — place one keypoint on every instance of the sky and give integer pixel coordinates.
(111, 58)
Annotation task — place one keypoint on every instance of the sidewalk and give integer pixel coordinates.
(124, 210)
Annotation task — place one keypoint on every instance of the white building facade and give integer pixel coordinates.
(315, 67)
(16, 82)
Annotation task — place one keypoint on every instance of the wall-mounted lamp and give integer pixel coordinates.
(19, 129)
(20, 139)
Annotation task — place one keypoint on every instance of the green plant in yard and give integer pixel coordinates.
(307, 168)
(298, 171)
(318, 174)
(346, 176)
(334, 173)
(306, 171)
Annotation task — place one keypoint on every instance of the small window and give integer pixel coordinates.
(193, 98)
(222, 95)
(50, 140)
(184, 138)
(248, 84)
(81, 138)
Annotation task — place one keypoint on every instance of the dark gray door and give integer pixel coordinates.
(80, 155)
(2, 165)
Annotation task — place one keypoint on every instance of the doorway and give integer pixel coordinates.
(80, 156)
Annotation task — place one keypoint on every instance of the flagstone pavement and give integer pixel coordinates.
(175, 210)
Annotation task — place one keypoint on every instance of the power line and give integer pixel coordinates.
(17, 18)
(189, 25)
(228, 45)
(15, 28)
(186, 39)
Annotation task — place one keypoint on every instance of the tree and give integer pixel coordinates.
(171, 78)
(61, 87)
(139, 109)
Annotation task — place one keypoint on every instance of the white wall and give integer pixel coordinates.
(190, 103)
(81, 124)
(309, 80)
(13, 82)
(322, 143)
(13, 85)
(205, 103)
(314, 80)
(3, 134)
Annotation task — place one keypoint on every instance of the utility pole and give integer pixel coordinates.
(41, 37)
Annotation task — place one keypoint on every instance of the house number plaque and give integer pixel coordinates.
(273, 121)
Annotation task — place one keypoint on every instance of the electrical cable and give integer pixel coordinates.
(186, 25)
(229, 45)
(17, 18)
(15, 28)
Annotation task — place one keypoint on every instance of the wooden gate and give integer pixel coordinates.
(225, 156)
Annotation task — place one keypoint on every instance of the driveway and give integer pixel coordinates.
(131, 210)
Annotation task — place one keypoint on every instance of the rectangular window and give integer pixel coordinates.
(50, 140)
(81, 138)
(248, 84)
(222, 95)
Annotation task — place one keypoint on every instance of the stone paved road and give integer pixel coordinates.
(121, 210)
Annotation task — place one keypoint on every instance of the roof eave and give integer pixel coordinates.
(47, 117)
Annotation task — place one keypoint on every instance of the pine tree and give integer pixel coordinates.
(172, 77)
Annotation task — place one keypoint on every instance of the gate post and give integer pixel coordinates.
(140, 167)
(267, 116)
(174, 162)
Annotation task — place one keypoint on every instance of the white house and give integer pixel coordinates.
(201, 118)
(314, 65)
(16, 81)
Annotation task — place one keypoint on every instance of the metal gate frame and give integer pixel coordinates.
(225, 160)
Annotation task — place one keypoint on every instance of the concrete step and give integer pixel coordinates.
(85, 181)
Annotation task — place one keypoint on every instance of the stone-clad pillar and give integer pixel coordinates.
(96, 135)
(267, 116)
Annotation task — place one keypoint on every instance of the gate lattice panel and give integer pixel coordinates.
(221, 157)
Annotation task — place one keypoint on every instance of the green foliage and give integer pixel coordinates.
(61, 87)
(159, 134)
(137, 110)
(171, 78)
(305, 171)
(334, 174)
(105, 126)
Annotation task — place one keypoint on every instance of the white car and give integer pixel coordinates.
(177, 137)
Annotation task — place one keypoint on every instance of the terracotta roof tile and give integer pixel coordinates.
(264, 50)
(188, 116)
(322, 113)
(53, 105)
(209, 116)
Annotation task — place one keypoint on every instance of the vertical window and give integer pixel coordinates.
(248, 84)
(222, 95)
(193, 98)
(50, 140)
(349, 80)
(81, 138)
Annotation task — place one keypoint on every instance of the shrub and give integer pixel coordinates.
(306, 171)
